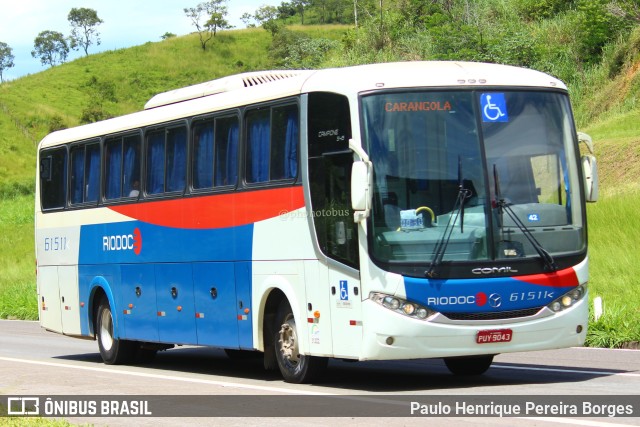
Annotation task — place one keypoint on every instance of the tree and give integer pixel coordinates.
(84, 22)
(299, 6)
(247, 19)
(208, 17)
(6, 58)
(51, 47)
(267, 16)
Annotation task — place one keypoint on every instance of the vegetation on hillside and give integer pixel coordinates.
(593, 45)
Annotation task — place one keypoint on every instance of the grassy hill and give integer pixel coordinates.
(119, 82)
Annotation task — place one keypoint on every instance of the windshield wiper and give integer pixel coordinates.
(503, 206)
(441, 246)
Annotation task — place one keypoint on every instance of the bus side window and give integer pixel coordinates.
(131, 166)
(284, 142)
(258, 138)
(85, 173)
(202, 168)
(272, 144)
(226, 151)
(176, 172)
(155, 162)
(166, 160)
(53, 178)
(113, 168)
(215, 153)
(122, 167)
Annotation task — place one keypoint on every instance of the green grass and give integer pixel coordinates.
(614, 233)
(17, 264)
(33, 421)
(614, 230)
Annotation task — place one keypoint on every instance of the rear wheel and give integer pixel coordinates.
(469, 365)
(295, 367)
(113, 351)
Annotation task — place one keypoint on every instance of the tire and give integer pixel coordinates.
(295, 367)
(469, 365)
(113, 351)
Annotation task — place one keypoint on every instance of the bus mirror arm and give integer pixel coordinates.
(361, 173)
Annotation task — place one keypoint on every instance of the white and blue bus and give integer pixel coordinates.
(379, 212)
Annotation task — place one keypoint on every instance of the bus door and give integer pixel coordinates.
(316, 278)
(346, 313)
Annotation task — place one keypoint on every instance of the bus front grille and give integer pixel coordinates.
(497, 315)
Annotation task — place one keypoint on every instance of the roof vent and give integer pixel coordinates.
(224, 84)
(259, 78)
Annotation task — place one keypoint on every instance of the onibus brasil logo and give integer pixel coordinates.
(123, 242)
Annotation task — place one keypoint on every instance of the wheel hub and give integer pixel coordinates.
(289, 343)
(106, 330)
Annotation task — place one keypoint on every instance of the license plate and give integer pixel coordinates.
(491, 336)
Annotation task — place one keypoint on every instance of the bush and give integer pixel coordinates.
(56, 123)
(290, 49)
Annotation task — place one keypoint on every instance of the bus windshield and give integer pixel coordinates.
(472, 176)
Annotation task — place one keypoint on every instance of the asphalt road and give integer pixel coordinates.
(36, 362)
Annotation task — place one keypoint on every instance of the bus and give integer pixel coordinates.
(377, 212)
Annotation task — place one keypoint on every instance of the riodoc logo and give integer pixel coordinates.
(123, 242)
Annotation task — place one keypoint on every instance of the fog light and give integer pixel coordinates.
(390, 340)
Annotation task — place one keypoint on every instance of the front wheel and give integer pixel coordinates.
(469, 365)
(113, 351)
(295, 367)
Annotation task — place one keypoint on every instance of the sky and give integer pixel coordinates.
(126, 23)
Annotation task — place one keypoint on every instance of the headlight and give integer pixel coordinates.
(401, 306)
(569, 299)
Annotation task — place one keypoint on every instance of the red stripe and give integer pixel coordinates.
(559, 279)
(216, 211)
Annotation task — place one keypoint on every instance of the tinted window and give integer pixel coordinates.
(122, 167)
(166, 160)
(215, 152)
(272, 144)
(53, 178)
(85, 173)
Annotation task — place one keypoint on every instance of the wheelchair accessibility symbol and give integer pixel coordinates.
(494, 107)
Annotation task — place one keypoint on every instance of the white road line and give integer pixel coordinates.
(166, 377)
(568, 371)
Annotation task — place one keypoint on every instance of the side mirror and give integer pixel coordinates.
(589, 169)
(360, 190)
(590, 172)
